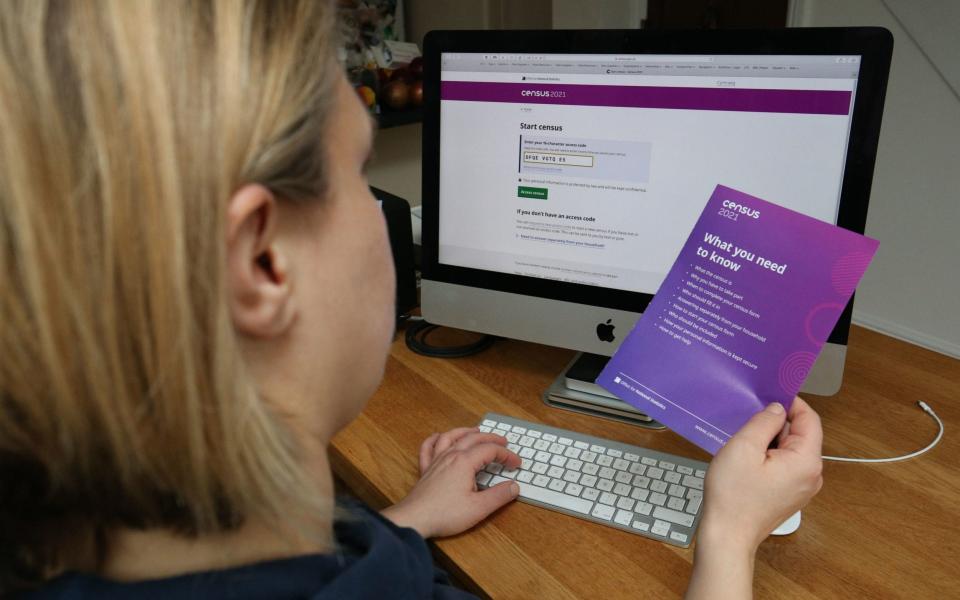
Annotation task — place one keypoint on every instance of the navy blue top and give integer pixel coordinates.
(375, 559)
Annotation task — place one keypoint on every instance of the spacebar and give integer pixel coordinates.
(534, 492)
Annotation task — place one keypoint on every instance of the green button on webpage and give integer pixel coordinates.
(532, 192)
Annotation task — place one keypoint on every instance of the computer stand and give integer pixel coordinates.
(574, 389)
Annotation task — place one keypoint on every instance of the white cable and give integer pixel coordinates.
(926, 408)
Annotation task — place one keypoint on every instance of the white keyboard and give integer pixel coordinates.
(639, 490)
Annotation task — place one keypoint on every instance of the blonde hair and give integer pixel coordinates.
(124, 128)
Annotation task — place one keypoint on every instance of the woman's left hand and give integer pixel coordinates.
(446, 501)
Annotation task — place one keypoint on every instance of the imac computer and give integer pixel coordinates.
(563, 170)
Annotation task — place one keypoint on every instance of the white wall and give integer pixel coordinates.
(912, 290)
(396, 162)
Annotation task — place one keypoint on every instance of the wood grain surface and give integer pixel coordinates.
(874, 531)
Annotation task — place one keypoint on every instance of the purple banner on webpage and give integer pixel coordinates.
(812, 102)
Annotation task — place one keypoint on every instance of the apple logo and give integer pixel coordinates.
(605, 331)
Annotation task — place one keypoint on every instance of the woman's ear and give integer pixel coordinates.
(258, 278)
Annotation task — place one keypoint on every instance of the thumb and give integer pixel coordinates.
(764, 426)
(493, 498)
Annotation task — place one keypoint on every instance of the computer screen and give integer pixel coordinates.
(563, 170)
(593, 168)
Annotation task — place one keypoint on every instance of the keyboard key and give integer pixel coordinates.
(604, 461)
(659, 486)
(483, 478)
(509, 473)
(684, 470)
(673, 516)
(655, 473)
(641, 481)
(549, 437)
(520, 430)
(693, 482)
(525, 464)
(542, 456)
(528, 453)
(555, 471)
(607, 473)
(513, 438)
(541, 445)
(701, 473)
(678, 537)
(672, 477)
(573, 477)
(676, 503)
(499, 432)
(590, 494)
(660, 528)
(637, 469)
(605, 485)
(658, 499)
(513, 448)
(677, 490)
(626, 503)
(624, 517)
(484, 429)
(525, 476)
(534, 433)
(572, 452)
(694, 505)
(574, 464)
(621, 489)
(691, 494)
(558, 461)
(581, 445)
(573, 489)
(588, 456)
(489, 423)
(555, 498)
(590, 468)
(666, 465)
(598, 449)
(526, 441)
(641, 526)
(602, 511)
(556, 448)
(650, 462)
(631, 456)
(565, 441)
(614, 452)
(503, 426)
(539, 467)
(620, 464)
(639, 494)
(557, 485)
(608, 498)
(644, 508)
(623, 477)
(588, 480)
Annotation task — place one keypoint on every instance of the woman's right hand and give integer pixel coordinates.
(751, 488)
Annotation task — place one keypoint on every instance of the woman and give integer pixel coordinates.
(197, 295)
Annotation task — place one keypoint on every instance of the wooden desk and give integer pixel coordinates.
(873, 532)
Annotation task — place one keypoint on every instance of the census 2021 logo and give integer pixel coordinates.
(732, 210)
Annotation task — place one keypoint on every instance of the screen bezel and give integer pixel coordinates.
(873, 44)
